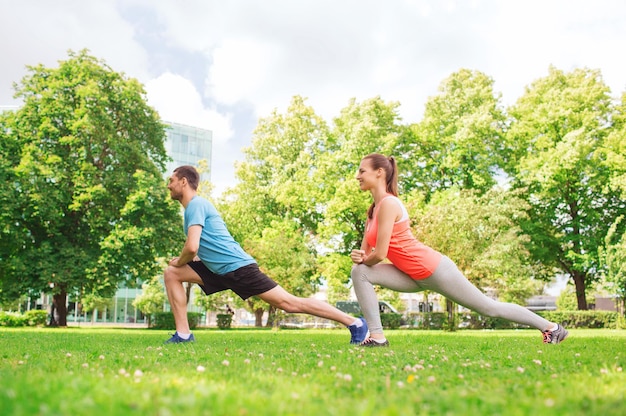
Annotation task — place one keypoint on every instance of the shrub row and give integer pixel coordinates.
(472, 320)
(165, 320)
(34, 317)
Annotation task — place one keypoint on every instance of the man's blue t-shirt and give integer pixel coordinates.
(218, 249)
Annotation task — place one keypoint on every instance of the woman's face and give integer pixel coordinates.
(367, 176)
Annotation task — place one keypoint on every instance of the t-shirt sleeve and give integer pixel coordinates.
(195, 214)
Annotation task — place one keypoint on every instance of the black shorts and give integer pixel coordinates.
(246, 281)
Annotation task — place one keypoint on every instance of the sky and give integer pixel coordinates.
(222, 65)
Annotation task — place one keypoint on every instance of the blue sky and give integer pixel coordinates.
(223, 64)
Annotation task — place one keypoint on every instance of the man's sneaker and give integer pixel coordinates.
(556, 336)
(358, 334)
(177, 339)
(371, 342)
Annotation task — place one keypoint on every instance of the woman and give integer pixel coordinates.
(414, 266)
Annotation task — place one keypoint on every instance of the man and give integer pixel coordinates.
(215, 261)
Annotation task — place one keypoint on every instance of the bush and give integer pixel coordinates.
(427, 320)
(473, 320)
(165, 320)
(36, 317)
(583, 319)
(12, 319)
(391, 320)
(224, 320)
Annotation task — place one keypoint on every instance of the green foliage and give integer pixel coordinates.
(567, 300)
(481, 234)
(584, 319)
(33, 317)
(152, 298)
(165, 320)
(560, 128)
(12, 319)
(427, 320)
(86, 204)
(391, 320)
(460, 140)
(224, 320)
(36, 317)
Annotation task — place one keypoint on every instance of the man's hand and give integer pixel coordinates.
(174, 262)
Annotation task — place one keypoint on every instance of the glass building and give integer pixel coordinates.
(188, 145)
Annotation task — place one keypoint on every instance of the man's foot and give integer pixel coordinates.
(358, 333)
(177, 339)
(555, 336)
(371, 342)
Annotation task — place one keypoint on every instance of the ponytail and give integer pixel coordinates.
(388, 164)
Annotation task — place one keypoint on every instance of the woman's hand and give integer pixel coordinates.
(357, 256)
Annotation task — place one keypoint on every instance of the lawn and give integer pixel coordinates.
(97, 371)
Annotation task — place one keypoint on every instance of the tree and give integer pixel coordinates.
(460, 142)
(90, 207)
(559, 127)
(286, 256)
(151, 299)
(481, 234)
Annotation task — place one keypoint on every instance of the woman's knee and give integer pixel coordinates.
(359, 272)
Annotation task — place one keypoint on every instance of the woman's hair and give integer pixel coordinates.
(388, 164)
(189, 172)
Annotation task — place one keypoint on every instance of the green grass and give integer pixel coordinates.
(96, 371)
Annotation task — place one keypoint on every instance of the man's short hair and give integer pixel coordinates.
(189, 172)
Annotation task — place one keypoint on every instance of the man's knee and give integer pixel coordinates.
(170, 275)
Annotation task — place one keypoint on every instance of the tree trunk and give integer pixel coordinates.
(258, 317)
(450, 307)
(581, 297)
(271, 317)
(58, 303)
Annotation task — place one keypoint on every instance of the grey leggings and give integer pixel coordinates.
(446, 280)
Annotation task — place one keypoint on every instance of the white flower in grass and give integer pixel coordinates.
(85, 365)
(539, 352)
(554, 375)
(347, 377)
(400, 384)
(432, 379)
(246, 361)
(461, 376)
(138, 373)
(121, 371)
(200, 369)
(520, 369)
(279, 370)
(604, 371)
(294, 374)
(225, 363)
(320, 363)
(261, 355)
(20, 362)
(538, 362)
(363, 363)
(101, 357)
(549, 403)
(333, 368)
(69, 354)
(619, 369)
(577, 355)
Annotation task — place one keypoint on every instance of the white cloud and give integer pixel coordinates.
(177, 100)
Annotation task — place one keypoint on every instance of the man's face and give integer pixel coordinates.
(175, 185)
